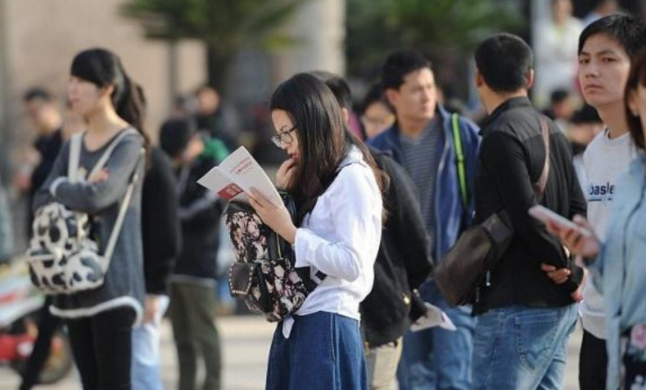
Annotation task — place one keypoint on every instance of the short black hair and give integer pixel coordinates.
(636, 79)
(559, 95)
(37, 93)
(174, 136)
(504, 60)
(337, 85)
(628, 31)
(399, 64)
(375, 95)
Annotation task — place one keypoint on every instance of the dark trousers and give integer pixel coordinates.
(47, 325)
(196, 336)
(593, 363)
(102, 348)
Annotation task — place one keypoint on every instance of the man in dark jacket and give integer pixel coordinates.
(403, 261)
(423, 141)
(161, 238)
(192, 288)
(524, 319)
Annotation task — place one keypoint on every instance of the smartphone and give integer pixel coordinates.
(544, 215)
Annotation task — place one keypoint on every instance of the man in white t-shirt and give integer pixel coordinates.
(605, 51)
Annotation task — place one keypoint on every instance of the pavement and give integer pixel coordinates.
(245, 341)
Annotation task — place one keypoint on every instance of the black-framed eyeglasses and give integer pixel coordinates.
(284, 137)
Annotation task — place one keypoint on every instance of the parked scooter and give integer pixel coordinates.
(20, 304)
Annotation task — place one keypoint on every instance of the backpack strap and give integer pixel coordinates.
(125, 202)
(74, 158)
(460, 161)
(108, 152)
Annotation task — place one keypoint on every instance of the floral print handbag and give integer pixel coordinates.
(263, 275)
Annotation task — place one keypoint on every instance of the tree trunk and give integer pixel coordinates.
(218, 65)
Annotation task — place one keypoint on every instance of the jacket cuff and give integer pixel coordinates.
(54, 186)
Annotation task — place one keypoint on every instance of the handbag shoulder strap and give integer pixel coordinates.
(74, 157)
(108, 152)
(539, 186)
(542, 180)
(125, 202)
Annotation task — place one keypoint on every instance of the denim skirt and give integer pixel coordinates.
(324, 351)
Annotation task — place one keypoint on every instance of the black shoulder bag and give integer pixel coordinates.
(479, 249)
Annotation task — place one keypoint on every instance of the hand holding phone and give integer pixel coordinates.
(577, 235)
(548, 216)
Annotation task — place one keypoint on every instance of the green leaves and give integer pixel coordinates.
(431, 26)
(225, 24)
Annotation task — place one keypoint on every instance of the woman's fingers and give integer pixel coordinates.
(259, 198)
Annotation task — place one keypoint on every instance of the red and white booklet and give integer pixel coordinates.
(236, 175)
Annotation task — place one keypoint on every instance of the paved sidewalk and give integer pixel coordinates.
(246, 342)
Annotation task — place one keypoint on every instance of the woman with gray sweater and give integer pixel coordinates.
(100, 320)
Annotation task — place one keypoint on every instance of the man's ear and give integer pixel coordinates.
(529, 79)
(479, 79)
(346, 115)
(393, 96)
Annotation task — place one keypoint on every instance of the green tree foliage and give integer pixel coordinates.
(225, 26)
(438, 28)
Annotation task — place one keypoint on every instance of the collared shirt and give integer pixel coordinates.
(340, 238)
(620, 271)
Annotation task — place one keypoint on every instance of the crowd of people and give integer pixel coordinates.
(382, 193)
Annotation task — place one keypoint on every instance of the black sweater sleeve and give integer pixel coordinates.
(504, 158)
(160, 223)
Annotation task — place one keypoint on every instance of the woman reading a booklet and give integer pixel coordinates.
(337, 188)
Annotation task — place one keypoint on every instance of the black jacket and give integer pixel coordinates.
(512, 156)
(160, 229)
(48, 146)
(199, 213)
(403, 261)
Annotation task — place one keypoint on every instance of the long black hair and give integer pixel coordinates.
(102, 68)
(323, 138)
(636, 79)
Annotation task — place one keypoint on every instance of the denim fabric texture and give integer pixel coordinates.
(522, 348)
(323, 352)
(145, 351)
(436, 358)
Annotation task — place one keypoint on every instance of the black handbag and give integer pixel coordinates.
(479, 249)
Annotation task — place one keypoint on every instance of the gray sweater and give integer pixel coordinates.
(124, 283)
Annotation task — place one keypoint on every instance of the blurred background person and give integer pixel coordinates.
(601, 9)
(215, 118)
(161, 240)
(44, 114)
(6, 226)
(586, 124)
(556, 51)
(377, 115)
(562, 106)
(192, 295)
(43, 110)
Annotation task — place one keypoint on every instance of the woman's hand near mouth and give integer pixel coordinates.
(285, 173)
